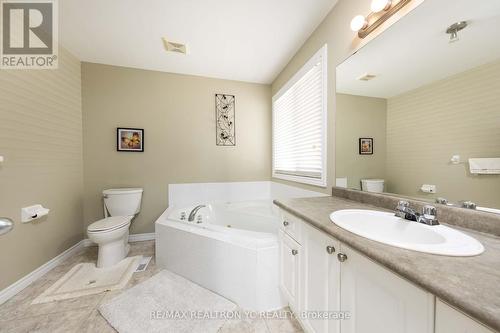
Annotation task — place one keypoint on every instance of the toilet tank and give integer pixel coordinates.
(123, 201)
(372, 185)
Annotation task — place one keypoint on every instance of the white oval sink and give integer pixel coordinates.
(386, 228)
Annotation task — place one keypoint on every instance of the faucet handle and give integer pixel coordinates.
(429, 211)
(442, 201)
(429, 215)
(468, 205)
(403, 204)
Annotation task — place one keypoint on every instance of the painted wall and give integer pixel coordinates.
(178, 115)
(41, 139)
(361, 117)
(425, 127)
(342, 42)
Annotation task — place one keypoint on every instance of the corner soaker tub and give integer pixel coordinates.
(229, 248)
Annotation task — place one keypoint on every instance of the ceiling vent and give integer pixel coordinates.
(174, 47)
(366, 77)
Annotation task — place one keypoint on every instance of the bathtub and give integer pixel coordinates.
(230, 248)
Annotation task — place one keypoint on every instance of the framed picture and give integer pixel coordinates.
(130, 139)
(365, 146)
(224, 117)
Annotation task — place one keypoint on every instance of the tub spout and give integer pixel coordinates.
(194, 211)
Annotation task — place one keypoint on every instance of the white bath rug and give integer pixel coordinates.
(86, 279)
(167, 303)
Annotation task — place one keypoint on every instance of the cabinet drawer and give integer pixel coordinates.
(291, 225)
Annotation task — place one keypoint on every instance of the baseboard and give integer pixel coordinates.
(141, 237)
(25, 281)
(131, 238)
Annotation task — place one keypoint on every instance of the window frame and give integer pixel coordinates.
(320, 55)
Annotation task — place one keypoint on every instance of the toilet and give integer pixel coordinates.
(111, 233)
(372, 185)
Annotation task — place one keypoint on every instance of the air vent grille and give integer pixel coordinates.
(366, 77)
(174, 47)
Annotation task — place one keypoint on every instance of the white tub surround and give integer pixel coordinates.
(181, 195)
(231, 246)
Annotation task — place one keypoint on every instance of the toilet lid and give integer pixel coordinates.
(113, 222)
(372, 180)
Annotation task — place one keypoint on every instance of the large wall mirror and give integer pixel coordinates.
(430, 100)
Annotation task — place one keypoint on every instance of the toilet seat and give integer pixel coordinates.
(109, 224)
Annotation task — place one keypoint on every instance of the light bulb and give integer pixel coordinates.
(358, 23)
(380, 5)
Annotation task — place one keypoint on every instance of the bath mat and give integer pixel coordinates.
(167, 303)
(86, 279)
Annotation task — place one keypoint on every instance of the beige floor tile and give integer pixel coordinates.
(96, 323)
(26, 309)
(146, 248)
(66, 321)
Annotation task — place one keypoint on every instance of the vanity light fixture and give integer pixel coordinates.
(454, 29)
(358, 22)
(380, 5)
(381, 11)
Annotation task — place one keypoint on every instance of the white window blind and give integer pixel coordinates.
(299, 125)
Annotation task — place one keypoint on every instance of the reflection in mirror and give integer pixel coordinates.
(428, 93)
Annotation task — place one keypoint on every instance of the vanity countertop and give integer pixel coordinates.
(471, 284)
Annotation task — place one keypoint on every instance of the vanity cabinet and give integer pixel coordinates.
(325, 276)
(379, 300)
(450, 320)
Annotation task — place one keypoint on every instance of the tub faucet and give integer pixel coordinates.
(194, 211)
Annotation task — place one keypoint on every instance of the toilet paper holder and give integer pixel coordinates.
(34, 212)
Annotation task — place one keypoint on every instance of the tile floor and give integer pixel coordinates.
(81, 314)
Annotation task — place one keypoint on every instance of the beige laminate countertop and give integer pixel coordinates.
(471, 284)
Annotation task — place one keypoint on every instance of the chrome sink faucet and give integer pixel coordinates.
(194, 211)
(428, 215)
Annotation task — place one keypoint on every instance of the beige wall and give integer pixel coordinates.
(41, 139)
(342, 42)
(425, 127)
(361, 117)
(178, 115)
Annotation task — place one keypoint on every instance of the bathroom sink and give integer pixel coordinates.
(386, 228)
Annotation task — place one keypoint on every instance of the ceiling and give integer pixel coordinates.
(245, 40)
(416, 50)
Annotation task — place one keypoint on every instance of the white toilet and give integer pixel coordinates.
(372, 185)
(111, 233)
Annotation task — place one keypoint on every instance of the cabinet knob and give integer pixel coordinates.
(330, 249)
(341, 257)
(285, 223)
(295, 252)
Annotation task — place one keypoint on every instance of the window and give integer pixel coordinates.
(299, 124)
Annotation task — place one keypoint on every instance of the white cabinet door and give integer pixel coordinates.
(321, 281)
(379, 301)
(290, 253)
(449, 320)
